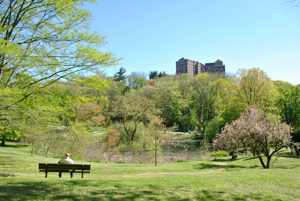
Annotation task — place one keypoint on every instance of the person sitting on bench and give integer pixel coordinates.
(66, 160)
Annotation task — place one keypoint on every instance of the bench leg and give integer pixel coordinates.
(46, 174)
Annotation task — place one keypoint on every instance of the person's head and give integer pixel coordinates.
(67, 155)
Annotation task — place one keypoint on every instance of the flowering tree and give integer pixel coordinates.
(260, 132)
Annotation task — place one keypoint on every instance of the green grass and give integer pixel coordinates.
(242, 179)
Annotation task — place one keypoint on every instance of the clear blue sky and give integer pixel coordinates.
(153, 34)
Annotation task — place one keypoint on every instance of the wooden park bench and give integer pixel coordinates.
(60, 167)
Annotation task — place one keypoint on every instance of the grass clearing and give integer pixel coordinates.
(243, 179)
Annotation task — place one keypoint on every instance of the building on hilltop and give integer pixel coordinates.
(194, 67)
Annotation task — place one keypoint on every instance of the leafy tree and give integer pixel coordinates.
(90, 114)
(254, 87)
(282, 84)
(161, 74)
(7, 133)
(153, 75)
(288, 102)
(188, 120)
(262, 133)
(168, 101)
(136, 80)
(120, 75)
(203, 97)
(132, 107)
(42, 42)
(45, 41)
(100, 91)
(229, 102)
(156, 74)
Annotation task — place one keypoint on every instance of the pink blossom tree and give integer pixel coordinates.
(262, 133)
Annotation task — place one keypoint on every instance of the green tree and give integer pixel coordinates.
(230, 104)
(204, 99)
(153, 75)
(136, 80)
(188, 120)
(288, 103)
(132, 107)
(156, 74)
(168, 100)
(7, 133)
(120, 75)
(254, 87)
(42, 42)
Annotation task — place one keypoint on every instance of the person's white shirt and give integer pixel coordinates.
(66, 161)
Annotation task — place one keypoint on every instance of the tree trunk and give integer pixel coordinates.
(262, 163)
(297, 151)
(3, 142)
(268, 162)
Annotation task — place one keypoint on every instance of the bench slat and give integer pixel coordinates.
(58, 166)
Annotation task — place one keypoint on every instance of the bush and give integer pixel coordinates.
(123, 160)
(181, 161)
(220, 154)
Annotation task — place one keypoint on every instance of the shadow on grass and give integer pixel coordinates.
(203, 166)
(109, 190)
(289, 156)
(15, 145)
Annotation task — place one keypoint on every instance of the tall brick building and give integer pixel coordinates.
(194, 67)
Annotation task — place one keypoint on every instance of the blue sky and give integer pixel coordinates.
(153, 34)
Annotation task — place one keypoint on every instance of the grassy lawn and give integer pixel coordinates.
(242, 179)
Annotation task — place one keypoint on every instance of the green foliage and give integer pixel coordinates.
(131, 110)
(204, 99)
(125, 137)
(213, 127)
(205, 146)
(254, 87)
(156, 74)
(42, 42)
(7, 133)
(288, 102)
(181, 161)
(120, 75)
(219, 154)
(121, 161)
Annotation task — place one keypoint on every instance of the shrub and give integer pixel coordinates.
(181, 161)
(122, 160)
(220, 154)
